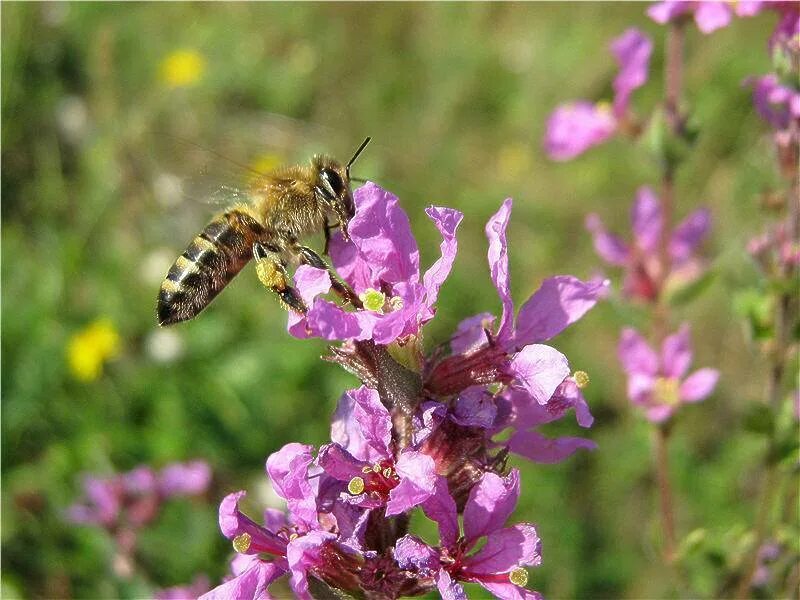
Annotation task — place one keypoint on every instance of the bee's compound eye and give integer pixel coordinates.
(331, 183)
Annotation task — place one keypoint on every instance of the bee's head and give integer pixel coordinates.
(333, 187)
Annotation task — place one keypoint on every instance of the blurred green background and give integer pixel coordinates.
(114, 120)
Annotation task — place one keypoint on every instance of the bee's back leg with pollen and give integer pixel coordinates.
(309, 257)
(272, 273)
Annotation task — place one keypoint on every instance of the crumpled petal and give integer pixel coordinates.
(632, 50)
(418, 478)
(471, 333)
(498, 265)
(302, 554)
(491, 501)
(608, 246)
(647, 219)
(575, 127)
(475, 407)
(362, 425)
(338, 462)
(309, 282)
(538, 448)
(559, 302)
(447, 221)
(635, 354)
(382, 247)
(688, 235)
(676, 353)
(698, 385)
(449, 589)
(506, 549)
(413, 554)
(539, 369)
(288, 470)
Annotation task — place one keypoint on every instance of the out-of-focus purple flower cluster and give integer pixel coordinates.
(647, 274)
(658, 383)
(123, 504)
(576, 126)
(710, 15)
(428, 431)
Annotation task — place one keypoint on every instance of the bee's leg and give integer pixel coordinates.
(328, 228)
(272, 273)
(309, 257)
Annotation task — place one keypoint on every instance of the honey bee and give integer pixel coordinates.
(284, 207)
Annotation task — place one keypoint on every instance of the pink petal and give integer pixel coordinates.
(635, 354)
(498, 264)
(411, 553)
(310, 282)
(538, 448)
(491, 501)
(659, 413)
(664, 12)
(418, 478)
(608, 246)
(710, 15)
(471, 333)
(574, 128)
(441, 508)
(699, 385)
(676, 353)
(509, 591)
(640, 388)
(506, 549)
(647, 220)
(447, 221)
(303, 554)
(688, 235)
(362, 425)
(632, 50)
(288, 470)
(539, 369)
(250, 584)
(449, 589)
(559, 302)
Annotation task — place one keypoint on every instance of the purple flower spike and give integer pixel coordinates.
(381, 264)
(659, 383)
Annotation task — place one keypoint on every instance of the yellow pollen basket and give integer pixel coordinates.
(241, 543)
(666, 391)
(518, 576)
(581, 378)
(373, 300)
(356, 486)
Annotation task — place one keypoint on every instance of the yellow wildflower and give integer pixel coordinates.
(182, 67)
(90, 347)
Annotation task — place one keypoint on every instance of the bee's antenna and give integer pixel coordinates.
(355, 156)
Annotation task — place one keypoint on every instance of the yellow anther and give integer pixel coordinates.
(294, 536)
(376, 468)
(373, 300)
(241, 543)
(518, 576)
(356, 486)
(387, 472)
(666, 391)
(366, 469)
(581, 378)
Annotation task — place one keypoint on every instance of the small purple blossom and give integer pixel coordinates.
(576, 126)
(381, 263)
(776, 103)
(658, 383)
(645, 277)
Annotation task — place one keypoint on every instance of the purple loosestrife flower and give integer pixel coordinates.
(641, 259)
(381, 263)
(510, 352)
(576, 126)
(499, 565)
(362, 456)
(658, 383)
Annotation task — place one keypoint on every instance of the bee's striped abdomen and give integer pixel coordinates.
(212, 259)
